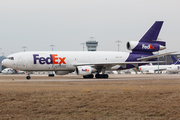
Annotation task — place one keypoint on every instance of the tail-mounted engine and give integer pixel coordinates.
(152, 46)
(85, 70)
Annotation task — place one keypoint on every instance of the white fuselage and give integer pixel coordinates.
(153, 68)
(60, 61)
(173, 69)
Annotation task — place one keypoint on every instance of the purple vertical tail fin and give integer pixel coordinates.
(153, 32)
(177, 62)
(148, 43)
(173, 59)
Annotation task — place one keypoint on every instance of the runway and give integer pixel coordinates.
(75, 78)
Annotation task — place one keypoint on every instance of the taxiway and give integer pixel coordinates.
(75, 78)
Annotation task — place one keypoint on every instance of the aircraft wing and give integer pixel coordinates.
(160, 69)
(154, 56)
(123, 64)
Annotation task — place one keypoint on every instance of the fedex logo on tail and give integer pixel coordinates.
(147, 46)
(52, 59)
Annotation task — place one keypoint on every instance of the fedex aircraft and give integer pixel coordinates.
(174, 68)
(12, 71)
(8, 71)
(87, 63)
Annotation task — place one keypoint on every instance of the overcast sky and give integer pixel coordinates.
(66, 24)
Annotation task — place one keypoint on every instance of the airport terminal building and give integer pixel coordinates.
(168, 59)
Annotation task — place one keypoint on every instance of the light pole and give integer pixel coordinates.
(51, 75)
(83, 45)
(158, 54)
(52, 46)
(118, 41)
(158, 63)
(24, 47)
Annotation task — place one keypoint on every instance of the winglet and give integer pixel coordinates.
(154, 56)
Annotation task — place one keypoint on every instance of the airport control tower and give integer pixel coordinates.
(91, 44)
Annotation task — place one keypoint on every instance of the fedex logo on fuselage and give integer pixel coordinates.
(147, 46)
(52, 59)
(85, 70)
(178, 67)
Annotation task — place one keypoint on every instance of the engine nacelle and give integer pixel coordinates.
(62, 72)
(145, 46)
(85, 70)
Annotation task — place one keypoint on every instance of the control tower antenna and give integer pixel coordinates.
(24, 47)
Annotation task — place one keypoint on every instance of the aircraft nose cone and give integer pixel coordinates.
(4, 62)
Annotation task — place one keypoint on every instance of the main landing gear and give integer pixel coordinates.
(102, 76)
(97, 76)
(88, 76)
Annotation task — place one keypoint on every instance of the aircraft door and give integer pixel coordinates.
(20, 64)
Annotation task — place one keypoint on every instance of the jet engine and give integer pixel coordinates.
(152, 46)
(85, 70)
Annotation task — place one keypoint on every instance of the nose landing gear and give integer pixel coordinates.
(28, 77)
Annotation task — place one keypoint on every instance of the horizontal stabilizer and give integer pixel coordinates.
(154, 56)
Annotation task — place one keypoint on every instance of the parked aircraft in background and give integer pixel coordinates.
(12, 71)
(87, 63)
(174, 68)
(149, 68)
(8, 71)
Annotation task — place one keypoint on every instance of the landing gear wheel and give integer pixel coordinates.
(105, 76)
(88, 76)
(91, 76)
(102, 76)
(51, 75)
(28, 77)
(85, 76)
(97, 75)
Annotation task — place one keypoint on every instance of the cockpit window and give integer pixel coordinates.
(11, 58)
